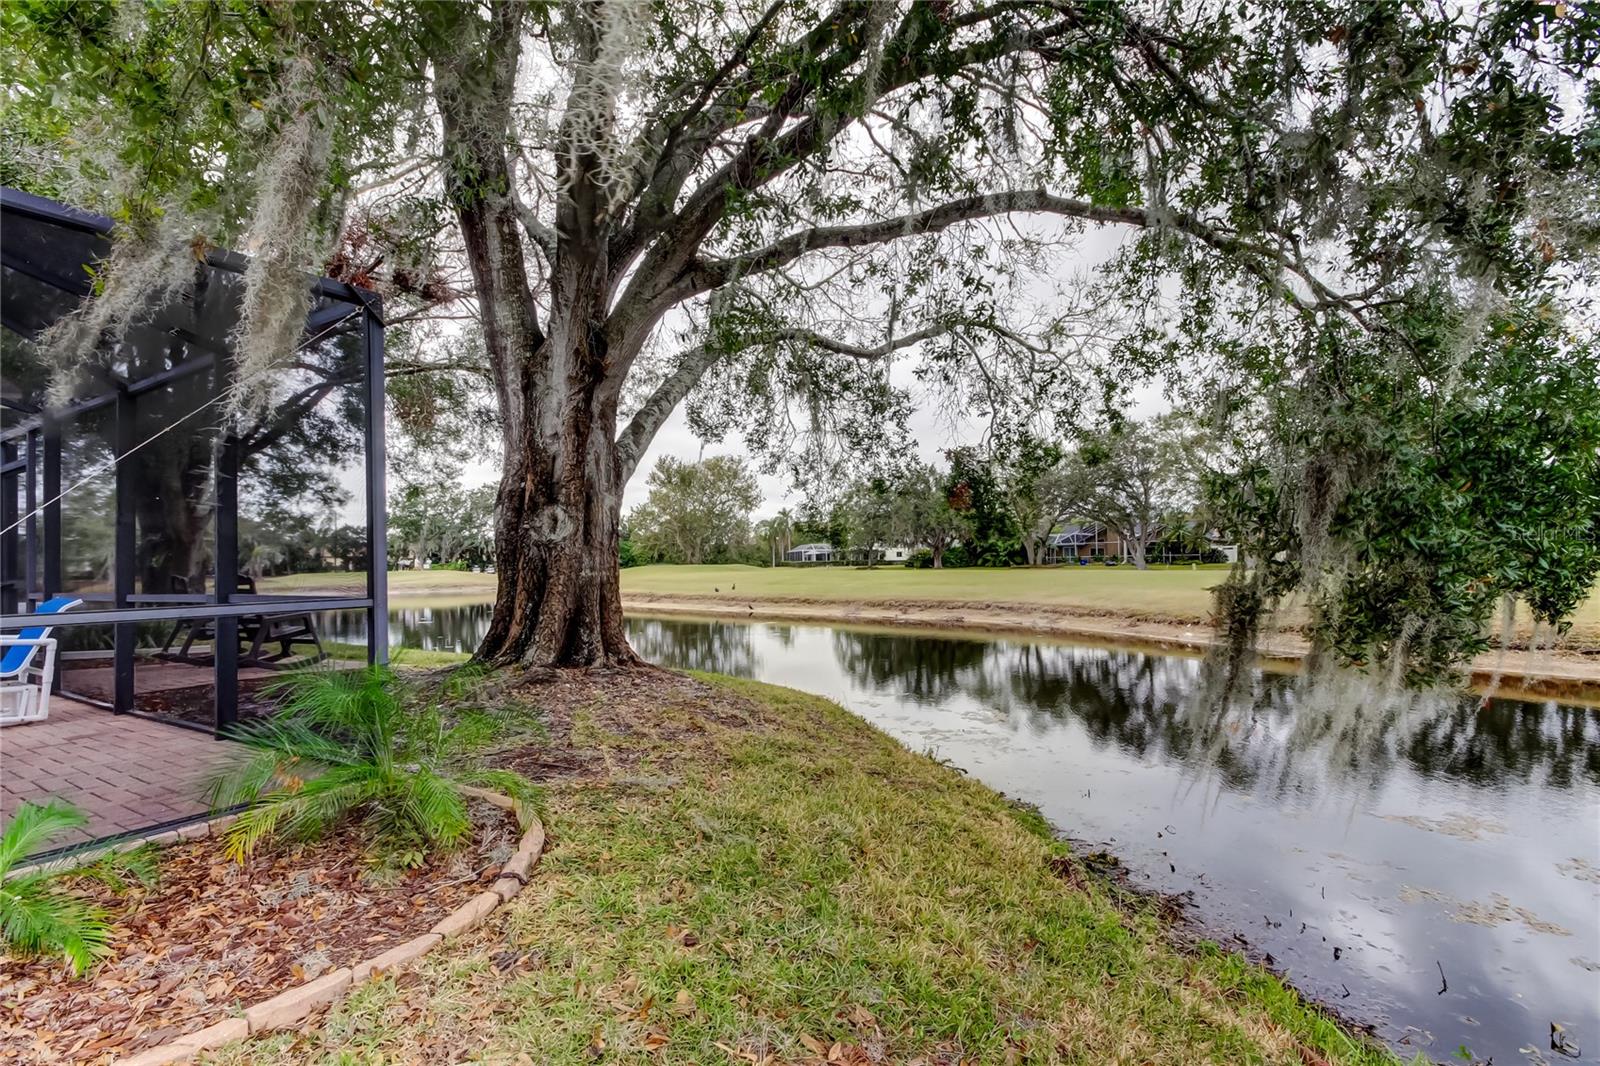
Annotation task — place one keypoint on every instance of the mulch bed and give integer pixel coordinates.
(197, 703)
(212, 937)
(194, 703)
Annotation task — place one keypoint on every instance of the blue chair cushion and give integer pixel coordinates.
(17, 655)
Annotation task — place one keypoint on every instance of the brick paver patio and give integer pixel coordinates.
(125, 773)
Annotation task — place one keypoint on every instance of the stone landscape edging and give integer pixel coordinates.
(199, 829)
(293, 1005)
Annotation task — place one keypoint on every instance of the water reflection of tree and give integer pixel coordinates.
(1120, 698)
(1508, 740)
(1275, 735)
(458, 628)
(1141, 705)
(1355, 731)
(720, 647)
(928, 669)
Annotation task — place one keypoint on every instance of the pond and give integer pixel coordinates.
(1435, 875)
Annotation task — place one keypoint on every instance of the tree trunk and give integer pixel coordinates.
(558, 519)
(558, 600)
(1136, 552)
(558, 511)
(173, 515)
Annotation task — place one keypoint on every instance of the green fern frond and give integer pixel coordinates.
(32, 826)
(327, 800)
(37, 919)
(289, 736)
(302, 812)
(37, 916)
(348, 742)
(246, 780)
(364, 706)
(251, 828)
(432, 804)
(121, 870)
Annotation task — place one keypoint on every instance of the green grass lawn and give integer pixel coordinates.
(417, 657)
(747, 874)
(1178, 593)
(401, 582)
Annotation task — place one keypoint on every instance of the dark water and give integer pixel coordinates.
(1455, 838)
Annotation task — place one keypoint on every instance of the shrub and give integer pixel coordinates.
(997, 551)
(956, 556)
(921, 559)
(456, 565)
(37, 915)
(345, 743)
(627, 555)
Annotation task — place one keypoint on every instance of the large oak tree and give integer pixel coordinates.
(755, 205)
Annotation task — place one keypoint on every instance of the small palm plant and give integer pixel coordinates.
(349, 743)
(37, 915)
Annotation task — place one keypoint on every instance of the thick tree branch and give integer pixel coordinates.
(543, 237)
(660, 281)
(479, 187)
(810, 337)
(403, 369)
(677, 143)
(635, 438)
(1262, 260)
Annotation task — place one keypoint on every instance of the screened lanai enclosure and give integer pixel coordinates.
(204, 540)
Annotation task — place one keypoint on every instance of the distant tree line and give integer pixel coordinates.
(998, 505)
(435, 521)
(986, 506)
(286, 543)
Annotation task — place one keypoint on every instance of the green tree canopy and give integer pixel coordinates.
(1325, 210)
(696, 512)
(1134, 476)
(923, 516)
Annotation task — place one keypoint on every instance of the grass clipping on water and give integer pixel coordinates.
(777, 881)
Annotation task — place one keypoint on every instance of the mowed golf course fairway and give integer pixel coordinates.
(1177, 594)
(1180, 594)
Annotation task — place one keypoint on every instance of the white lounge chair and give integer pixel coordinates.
(27, 667)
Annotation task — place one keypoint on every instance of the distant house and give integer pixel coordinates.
(1093, 540)
(1084, 540)
(1219, 541)
(827, 553)
(818, 552)
(1090, 540)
